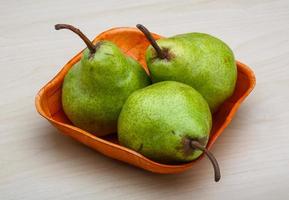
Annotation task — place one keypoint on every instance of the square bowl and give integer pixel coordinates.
(133, 43)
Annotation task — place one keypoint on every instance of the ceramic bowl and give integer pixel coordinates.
(133, 43)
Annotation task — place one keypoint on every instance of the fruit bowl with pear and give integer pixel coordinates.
(162, 127)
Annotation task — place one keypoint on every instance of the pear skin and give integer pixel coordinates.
(168, 122)
(95, 89)
(197, 59)
(158, 121)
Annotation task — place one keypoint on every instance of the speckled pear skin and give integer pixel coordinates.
(95, 89)
(156, 121)
(199, 60)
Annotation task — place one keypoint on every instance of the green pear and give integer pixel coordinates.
(95, 88)
(197, 59)
(168, 122)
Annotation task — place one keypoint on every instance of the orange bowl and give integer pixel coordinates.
(133, 43)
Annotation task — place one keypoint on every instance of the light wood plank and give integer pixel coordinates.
(36, 162)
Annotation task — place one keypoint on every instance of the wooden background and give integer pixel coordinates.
(36, 162)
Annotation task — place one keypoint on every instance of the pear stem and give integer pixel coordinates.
(153, 42)
(211, 157)
(88, 43)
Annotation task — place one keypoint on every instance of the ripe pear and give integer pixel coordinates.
(95, 88)
(197, 59)
(168, 122)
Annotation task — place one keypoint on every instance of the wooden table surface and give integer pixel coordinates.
(37, 162)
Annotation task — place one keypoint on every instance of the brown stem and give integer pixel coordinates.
(153, 42)
(212, 158)
(88, 43)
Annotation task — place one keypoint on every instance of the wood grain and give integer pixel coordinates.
(36, 162)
